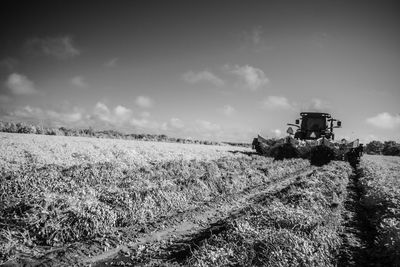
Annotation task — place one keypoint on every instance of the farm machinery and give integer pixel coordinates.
(313, 139)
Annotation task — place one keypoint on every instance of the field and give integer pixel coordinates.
(84, 201)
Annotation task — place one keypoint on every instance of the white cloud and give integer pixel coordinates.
(177, 123)
(227, 110)
(65, 117)
(205, 75)
(122, 111)
(144, 102)
(277, 132)
(319, 105)
(20, 85)
(41, 114)
(59, 47)
(79, 81)
(102, 112)
(277, 102)
(208, 126)
(253, 78)
(117, 116)
(144, 123)
(173, 123)
(112, 63)
(385, 121)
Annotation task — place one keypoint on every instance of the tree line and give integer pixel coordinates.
(390, 148)
(21, 127)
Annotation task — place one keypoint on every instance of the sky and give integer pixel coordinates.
(210, 70)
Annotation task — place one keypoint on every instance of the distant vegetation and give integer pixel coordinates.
(388, 148)
(20, 127)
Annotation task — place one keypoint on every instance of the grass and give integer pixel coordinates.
(300, 226)
(380, 187)
(59, 190)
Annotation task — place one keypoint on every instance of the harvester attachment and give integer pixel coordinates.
(313, 140)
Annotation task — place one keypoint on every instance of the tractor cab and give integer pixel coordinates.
(314, 125)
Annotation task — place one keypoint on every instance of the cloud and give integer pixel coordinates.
(277, 132)
(277, 102)
(144, 123)
(385, 121)
(205, 75)
(252, 78)
(208, 126)
(102, 112)
(176, 123)
(122, 112)
(59, 47)
(20, 85)
(173, 124)
(79, 81)
(227, 110)
(256, 35)
(319, 105)
(112, 63)
(117, 116)
(144, 102)
(9, 63)
(29, 112)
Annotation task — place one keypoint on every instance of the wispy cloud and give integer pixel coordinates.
(207, 126)
(59, 47)
(112, 63)
(385, 120)
(9, 63)
(202, 76)
(228, 110)
(319, 105)
(79, 81)
(277, 102)
(29, 112)
(173, 124)
(20, 85)
(252, 78)
(144, 102)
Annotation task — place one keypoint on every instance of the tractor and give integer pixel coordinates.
(313, 139)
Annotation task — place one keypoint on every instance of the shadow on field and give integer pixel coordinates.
(243, 152)
(182, 250)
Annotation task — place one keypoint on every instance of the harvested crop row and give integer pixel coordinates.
(42, 150)
(299, 226)
(380, 187)
(53, 205)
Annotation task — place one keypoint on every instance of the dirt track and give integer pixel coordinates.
(171, 239)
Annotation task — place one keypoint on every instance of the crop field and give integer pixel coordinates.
(84, 201)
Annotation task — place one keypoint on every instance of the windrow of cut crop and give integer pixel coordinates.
(55, 205)
(380, 201)
(298, 226)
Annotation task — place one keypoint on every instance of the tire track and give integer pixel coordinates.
(174, 242)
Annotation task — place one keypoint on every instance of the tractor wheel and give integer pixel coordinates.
(285, 151)
(321, 155)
